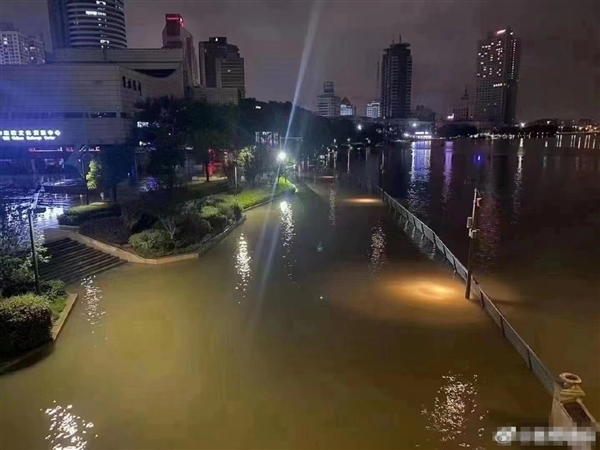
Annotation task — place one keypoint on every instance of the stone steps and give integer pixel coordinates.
(70, 261)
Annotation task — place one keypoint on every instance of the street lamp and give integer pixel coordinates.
(30, 211)
(359, 127)
(414, 125)
(281, 156)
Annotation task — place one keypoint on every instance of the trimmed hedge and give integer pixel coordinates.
(79, 214)
(108, 229)
(25, 323)
(152, 243)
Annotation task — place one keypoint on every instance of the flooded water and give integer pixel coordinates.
(315, 324)
(538, 252)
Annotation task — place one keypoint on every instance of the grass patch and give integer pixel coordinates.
(79, 214)
(57, 306)
(205, 189)
(252, 197)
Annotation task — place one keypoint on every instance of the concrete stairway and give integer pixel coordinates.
(71, 261)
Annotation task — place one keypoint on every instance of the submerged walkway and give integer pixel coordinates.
(315, 324)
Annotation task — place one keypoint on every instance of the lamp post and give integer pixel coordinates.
(281, 157)
(472, 226)
(85, 151)
(349, 150)
(30, 210)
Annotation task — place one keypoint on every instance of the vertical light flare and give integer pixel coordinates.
(315, 14)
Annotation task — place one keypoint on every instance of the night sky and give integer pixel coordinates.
(560, 60)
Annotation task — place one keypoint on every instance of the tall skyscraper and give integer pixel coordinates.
(17, 48)
(374, 110)
(396, 81)
(174, 35)
(87, 24)
(347, 108)
(221, 65)
(497, 77)
(328, 104)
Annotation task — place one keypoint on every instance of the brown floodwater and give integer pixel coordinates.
(315, 324)
(538, 252)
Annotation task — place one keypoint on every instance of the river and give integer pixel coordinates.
(538, 252)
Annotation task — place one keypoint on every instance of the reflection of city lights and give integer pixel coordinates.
(283, 206)
(363, 200)
(242, 264)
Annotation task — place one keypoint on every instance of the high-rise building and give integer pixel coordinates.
(328, 104)
(221, 65)
(497, 77)
(396, 81)
(464, 109)
(37, 50)
(374, 110)
(17, 48)
(87, 24)
(347, 108)
(174, 35)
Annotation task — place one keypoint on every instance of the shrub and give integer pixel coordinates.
(227, 206)
(79, 214)
(211, 213)
(25, 323)
(192, 229)
(108, 229)
(152, 243)
(53, 289)
(16, 276)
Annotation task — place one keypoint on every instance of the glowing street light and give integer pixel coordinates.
(281, 156)
(414, 125)
(359, 127)
(522, 124)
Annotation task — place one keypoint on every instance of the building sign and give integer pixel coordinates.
(30, 135)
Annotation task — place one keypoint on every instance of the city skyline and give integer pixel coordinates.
(559, 71)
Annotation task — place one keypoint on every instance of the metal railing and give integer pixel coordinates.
(535, 365)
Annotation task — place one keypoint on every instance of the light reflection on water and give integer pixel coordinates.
(456, 413)
(92, 302)
(332, 206)
(242, 265)
(377, 249)
(68, 431)
(287, 236)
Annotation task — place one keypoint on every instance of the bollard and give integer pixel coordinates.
(568, 412)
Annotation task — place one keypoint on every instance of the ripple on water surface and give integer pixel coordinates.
(67, 430)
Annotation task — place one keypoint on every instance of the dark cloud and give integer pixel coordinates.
(560, 69)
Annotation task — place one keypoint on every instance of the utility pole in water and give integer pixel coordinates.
(472, 226)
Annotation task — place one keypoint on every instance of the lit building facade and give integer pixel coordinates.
(497, 77)
(396, 81)
(328, 104)
(221, 65)
(347, 108)
(87, 23)
(374, 110)
(174, 35)
(17, 48)
(87, 100)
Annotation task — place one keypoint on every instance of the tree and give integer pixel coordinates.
(117, 161)
(94, 176)
(164, 134)
(210, 127)
(255, 161)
